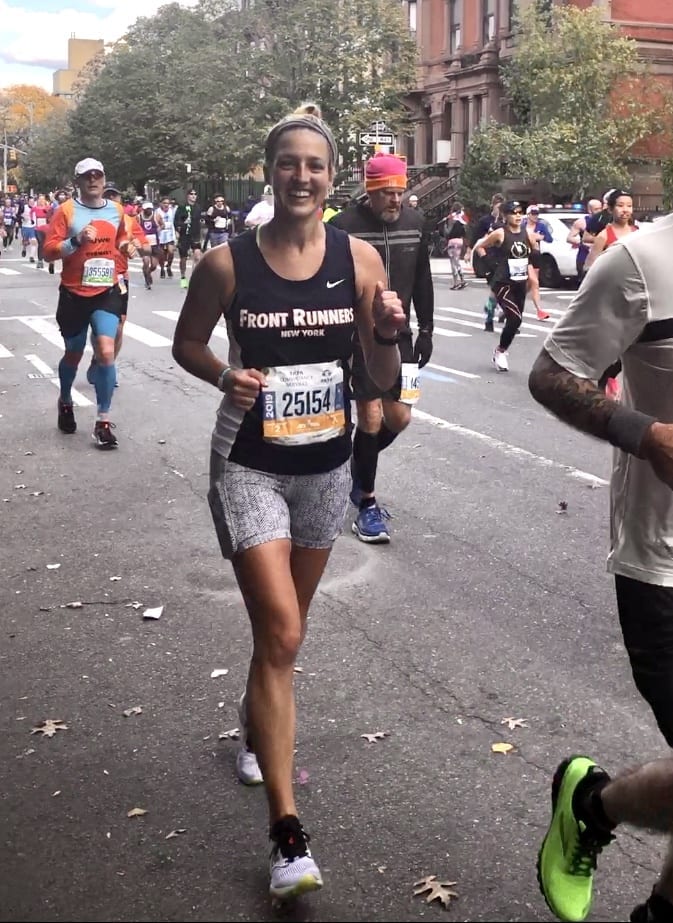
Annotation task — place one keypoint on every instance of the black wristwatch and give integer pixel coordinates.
(386, 341)
(75, 242)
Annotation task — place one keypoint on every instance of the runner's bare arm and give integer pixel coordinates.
(493, 239)
(599, 244)
(210, 293)
(376, 307)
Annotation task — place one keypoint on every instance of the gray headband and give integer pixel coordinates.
(299, 121)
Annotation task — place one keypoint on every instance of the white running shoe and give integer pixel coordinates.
(500, 360)
(247, 767)
(293, 869)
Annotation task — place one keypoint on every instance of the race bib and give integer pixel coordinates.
(518, 269)
(410, 391)
(40, 222)
(303, 404)
(151, 239)
(99, 273)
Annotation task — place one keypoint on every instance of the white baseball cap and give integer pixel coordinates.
(88, 164)
(147, 206)
(413, 198)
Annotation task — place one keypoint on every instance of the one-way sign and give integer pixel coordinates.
(382, 137)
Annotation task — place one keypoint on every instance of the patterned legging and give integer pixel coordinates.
(511, 297)
(455, 248)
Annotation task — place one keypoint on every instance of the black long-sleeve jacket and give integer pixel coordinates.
(404, 249)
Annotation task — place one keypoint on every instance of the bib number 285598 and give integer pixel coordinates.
(303, 404)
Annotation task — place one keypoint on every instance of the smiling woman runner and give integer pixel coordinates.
(292, 293)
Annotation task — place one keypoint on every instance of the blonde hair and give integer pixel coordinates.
(308, 115)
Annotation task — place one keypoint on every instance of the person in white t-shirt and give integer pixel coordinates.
(623, 310)
(262, 212)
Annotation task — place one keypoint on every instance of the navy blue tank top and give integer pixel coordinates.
(273, 323)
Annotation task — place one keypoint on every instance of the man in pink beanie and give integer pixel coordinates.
(398, 233)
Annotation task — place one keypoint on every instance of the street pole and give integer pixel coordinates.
(4, 160)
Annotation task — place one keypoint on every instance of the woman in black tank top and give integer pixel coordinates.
(512, 249)
(291, 293)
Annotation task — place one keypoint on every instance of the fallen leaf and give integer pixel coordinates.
(562, 507)
(153, 613)
(45, 608)
(514, 723)
(53, 566)
(136, 812)
(37, 493)
(174, 833)
(75, 605)
(298, 669)
(502, 748)
(136, 710)
(302, 776)
(216, 673)
(175, 471)
(162, 442)
(49, 727)
(115, 578)
(54, 794)
(435, 890)
(19, 487)
(377, 735)
(134, 605)
(382, 869)
(233, 734)
(29, 453)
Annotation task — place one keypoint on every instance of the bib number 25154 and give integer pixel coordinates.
(303, 404)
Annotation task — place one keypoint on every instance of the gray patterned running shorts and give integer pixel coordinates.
(252, 507)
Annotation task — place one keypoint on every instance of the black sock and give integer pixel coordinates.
(366, 502)
(385, 437)
(588, 804)
(365, 459)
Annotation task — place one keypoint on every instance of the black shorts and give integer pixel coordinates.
(363, 388)
(73, 311)
(646, 617)
(185, 244)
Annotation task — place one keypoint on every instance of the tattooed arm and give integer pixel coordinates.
(582, 404)
(577, 401)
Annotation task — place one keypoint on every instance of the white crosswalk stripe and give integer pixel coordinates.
(447, 319)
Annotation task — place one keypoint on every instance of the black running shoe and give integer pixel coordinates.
(51, 269)
(488, 326)
(169, 272)
(66, 418)
(162, 274)
(103, 435)
(23, 254)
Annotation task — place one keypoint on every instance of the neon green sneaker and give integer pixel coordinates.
(567, 860)
(183, 282)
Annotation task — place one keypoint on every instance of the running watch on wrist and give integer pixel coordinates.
(386, 341)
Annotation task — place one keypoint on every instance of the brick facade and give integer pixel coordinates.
(461, 44)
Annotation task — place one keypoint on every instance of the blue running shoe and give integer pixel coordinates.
(370, 526)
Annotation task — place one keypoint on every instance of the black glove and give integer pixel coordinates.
(423, 348)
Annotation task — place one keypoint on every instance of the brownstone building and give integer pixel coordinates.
(461, 44)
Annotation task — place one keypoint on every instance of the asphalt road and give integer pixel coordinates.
(489, 603)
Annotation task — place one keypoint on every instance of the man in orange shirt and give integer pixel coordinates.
(137, 242)
(86, 233)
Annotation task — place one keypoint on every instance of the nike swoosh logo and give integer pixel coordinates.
(333, 284)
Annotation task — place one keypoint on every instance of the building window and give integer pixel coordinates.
(455, 17)
(488, 21)
(511, 5)
(467, 128)
(412, 15)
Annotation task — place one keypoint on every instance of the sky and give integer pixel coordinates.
(35, 33)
